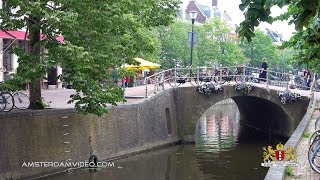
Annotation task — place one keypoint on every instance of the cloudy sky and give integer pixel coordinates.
(232, 7)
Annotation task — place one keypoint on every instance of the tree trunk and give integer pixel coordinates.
(34, 85)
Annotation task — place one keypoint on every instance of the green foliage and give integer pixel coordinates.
(261, 46)
(243, 88)
(305, 135)
(303, 13)
(215, 45)
(42, 103)
(306, 45)
(174, 40)
(99, 36)
(287, 62)
(289, 171)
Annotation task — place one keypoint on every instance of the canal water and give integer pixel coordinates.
(219, 153)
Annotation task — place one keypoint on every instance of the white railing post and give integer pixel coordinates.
(162, 79)
(312, 86)
(155, 85)
(287, 75)
(244, 73)
(175, 76)
(198, 72)
(267, 73)
(220, 75)
(146, 83)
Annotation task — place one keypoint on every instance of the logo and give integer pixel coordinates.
(279, 156)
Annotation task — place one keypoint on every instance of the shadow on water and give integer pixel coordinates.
(219, 153)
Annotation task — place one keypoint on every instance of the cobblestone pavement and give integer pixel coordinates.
(304, 170)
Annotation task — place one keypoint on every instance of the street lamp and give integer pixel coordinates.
(193, 16)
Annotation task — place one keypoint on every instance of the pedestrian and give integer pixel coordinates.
(127, 81)
(263, 70)
(306, 79)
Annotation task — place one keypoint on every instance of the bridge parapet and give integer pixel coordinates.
(197, 76)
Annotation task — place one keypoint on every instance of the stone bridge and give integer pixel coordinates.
(59, 135)
(260, 109)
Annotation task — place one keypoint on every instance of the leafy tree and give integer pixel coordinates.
(174, 39)
(98, 37)
(303, 13)
(261, 46)
(287, 61)
(216, 45)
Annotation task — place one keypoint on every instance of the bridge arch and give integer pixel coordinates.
(275, 117)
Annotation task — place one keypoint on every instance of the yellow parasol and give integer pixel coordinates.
(144, 64)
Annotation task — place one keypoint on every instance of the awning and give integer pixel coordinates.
(20, 35)
(144, 64)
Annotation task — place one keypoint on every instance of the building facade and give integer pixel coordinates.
(9, 62)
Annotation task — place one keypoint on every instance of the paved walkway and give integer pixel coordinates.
(60, 97)
(304, 170)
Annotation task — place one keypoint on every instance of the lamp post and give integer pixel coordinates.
(193, 16)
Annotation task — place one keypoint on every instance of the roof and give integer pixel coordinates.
(205, 9)
(275, 36)
(21, 35)
(226, 16)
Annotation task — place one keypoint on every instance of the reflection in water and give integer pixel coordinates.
(218, 154)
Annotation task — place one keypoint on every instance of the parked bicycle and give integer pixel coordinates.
(182, 80)
(9, 100)
(314, 149)
(182, 76)
(223, 75)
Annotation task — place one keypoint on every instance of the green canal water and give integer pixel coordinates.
(217, 154)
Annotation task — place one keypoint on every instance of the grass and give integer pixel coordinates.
(289, 171)
(305, 135)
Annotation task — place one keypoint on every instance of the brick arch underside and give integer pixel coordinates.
(260, 116)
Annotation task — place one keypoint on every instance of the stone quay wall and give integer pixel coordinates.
(63, 135)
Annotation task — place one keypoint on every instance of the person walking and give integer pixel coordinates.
(127, 81)
(306, 79)
(263, 70)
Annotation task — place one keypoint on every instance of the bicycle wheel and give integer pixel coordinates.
(239, 78)
(218, 79)
(314, 136)
(314, 155)
(194, 81)
(8, 99)
(21, 100)
(2, 103)
(171, 82)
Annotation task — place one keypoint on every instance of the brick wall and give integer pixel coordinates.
(63, 135)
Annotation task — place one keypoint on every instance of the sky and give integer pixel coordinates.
(232, 8)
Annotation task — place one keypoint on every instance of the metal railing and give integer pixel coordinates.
(221, 75)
